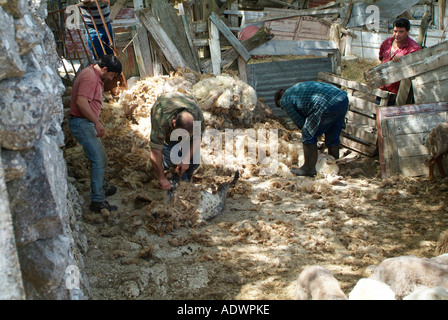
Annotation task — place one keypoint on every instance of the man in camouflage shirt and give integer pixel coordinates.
(170, 112)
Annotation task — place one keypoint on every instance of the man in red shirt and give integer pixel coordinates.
(397, 46)
(85, 125)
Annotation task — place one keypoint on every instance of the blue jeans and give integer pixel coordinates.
(167, 163)
(96, 40)
(331, 124)
(85, 133)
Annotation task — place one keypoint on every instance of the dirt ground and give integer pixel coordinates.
(272, 227)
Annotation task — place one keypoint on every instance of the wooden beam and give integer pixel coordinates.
(165, 44)
(230, 37)
(306, 12)
(142, 52)
(409, 66)
(442, 8)
(260, 37)
(115, 9)
(215, 49)
(352, 84)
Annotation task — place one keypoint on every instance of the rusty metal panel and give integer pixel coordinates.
(266, 78)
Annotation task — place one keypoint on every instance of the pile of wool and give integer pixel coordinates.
(226, 95)
(227, 103)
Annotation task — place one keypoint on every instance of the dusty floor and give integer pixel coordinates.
(259, 245)
(270, 230)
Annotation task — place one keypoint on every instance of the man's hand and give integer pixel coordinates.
(397, 58)
(99, 129)
(164, 184)
(181, 168)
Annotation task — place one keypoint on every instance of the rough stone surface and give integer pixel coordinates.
(43, 206)
(13, 164)
(11, 286)
(26, 106)
(11, 64)
(37, 207)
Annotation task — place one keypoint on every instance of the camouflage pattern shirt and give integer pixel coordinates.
(164, 111)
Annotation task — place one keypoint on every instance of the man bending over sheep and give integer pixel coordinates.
(174, 111)
(316, 108)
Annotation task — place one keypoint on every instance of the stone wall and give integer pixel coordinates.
(40, 258)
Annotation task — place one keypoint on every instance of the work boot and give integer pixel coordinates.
(334, 151)
(98, 206)
(309, 167)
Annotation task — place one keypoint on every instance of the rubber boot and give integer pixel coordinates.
(309, 167)
(334, 151)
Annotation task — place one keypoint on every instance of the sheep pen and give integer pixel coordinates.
(273, 226)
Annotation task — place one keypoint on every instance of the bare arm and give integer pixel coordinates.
(84, 107)
(156, 160)
(185, 163)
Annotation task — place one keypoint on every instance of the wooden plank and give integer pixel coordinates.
(142, 49)
(431, 86)
(142, 52)
(313, 29)
(306, 12)
(230, 37)
(360, 119)
(189, 38)
(362, 106)
(215, 49)
(115, 9)
(332, 78)
(358, 146)
(364, 132)
(402, 137)
(165, 44)
(409, 66)
(260, 37)
(171, 23)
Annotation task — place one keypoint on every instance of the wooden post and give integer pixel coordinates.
(165, 44)
(142, 47)
(215, 49)
(442, 8)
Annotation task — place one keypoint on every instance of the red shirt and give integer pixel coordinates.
(407, 47)
(89, 85)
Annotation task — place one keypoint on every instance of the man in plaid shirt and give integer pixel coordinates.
(316, 108)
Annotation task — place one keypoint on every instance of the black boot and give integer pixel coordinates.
(309, 167)
(98, 206)
(334, 151)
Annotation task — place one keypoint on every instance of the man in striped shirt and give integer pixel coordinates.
(92, 17)
(316, 108)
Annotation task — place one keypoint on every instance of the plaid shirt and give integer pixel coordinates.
(164, 110)
(306, 101)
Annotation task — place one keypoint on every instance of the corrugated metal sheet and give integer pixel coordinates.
(317, 3)
(266, 78)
